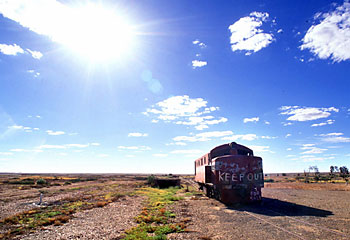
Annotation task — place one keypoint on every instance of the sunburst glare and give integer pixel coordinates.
(96, 32)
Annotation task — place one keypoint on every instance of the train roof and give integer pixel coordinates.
(232, 145)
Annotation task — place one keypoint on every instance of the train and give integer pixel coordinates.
(230, 173)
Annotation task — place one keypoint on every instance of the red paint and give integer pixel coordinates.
(230, 173)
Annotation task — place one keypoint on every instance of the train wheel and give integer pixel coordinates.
(217, 195)
(211, 192)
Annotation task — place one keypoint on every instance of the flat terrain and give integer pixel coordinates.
(124, 206)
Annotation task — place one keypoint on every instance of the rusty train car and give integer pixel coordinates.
(230, 173)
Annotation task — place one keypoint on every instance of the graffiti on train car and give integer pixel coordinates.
(242, 177)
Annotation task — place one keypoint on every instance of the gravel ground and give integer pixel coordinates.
(284, 214)
(108, 222)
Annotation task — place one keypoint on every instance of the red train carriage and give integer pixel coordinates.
(230, 173)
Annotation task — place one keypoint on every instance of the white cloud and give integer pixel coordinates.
(55, 133)
(26, 150)
(331, 37)
(306, 113)
(247, 35)
(47, 146)
(184, 110)
(199, 43)
(63, 146)
(176, 143)
(267, 122)
(289, 149)
(246, 137)
(39, 16)
(331, 134)
(14, 49)
(137, 134)
(159, 155)
(35, 74)
(308, 145)
(334, 138)
(77, 145)
(287, 124)
(35, 54)
(313, 150)
(198, 63)
(328, 122)
(187, 151)
(201, 123)
(95, 144)
(208, 136)
(6, 153)
(311, 158)
(203, 137)
(260, 149)
(253, 119)
(10, 49)
(102, 155)
(288, 135)
(195, 42)
(16, 127)
(136, 148)
(268, 137)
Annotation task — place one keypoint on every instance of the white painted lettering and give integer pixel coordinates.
(256, 176)
(250, 176)
(234, 177)
(221, 176)
(241, 177)
(227, 177)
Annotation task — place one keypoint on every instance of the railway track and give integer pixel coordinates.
(190, 182)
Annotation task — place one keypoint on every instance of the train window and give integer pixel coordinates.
(201, 161)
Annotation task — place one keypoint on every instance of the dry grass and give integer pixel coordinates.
(84, 193)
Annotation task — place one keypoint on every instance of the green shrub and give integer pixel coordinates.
(269, 180)
(41, 181)
(151, 180)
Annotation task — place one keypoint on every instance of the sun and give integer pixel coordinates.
(97, 32)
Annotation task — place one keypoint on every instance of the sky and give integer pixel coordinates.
(149, 86)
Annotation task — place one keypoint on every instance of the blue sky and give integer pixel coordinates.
(149, 86)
